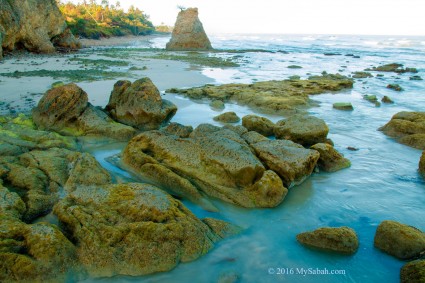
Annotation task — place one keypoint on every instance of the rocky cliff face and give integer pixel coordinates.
(188, 33)
(33, 25)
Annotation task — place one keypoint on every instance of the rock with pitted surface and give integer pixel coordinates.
(227, 117)
(188, 32)
(292, 162)
(216, 161)
(132, 229)
(341, 240)
(139, 105)
(302, 129)
(33, 25)
(330, 159)
(408, 128)
(258, 124)
(178, 130)
(413, 272)
(65, 109)
(400, 240)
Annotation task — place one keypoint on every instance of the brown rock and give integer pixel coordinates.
(399, 240)
(32, 25)
(178, 130)
(258, 124)
(422, 164)
(139, 104)
(132, 229)
(65, 109)
(227, 117)
(342, 240)
(305, 130)
(188, 32)
(408, 128)
(330, 160)
(413, 272)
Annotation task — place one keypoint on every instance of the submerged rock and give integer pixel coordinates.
(343, 106)
(422, 164)
(271, 96)
(302, 129)
(362, 75)
(217, 104)
(214, 161)
(400, 240)
(342, 240)
(330, 160)
(139, 105)
(408, 128)
(415, 78)
(387, 99)
(132, 229)
(413, 272)
(188, 32)
(65, 109)
(292, 162)
(395, 87)
(393, 67)
(34, 25)
(258, 124)
(228, 117)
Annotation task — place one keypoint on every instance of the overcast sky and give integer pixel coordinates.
(387, 17)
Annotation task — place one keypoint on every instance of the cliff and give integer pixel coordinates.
(188, 32)
(36, 25)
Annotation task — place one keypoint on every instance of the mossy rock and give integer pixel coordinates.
(346, 106)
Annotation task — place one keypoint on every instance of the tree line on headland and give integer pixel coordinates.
(89, 19)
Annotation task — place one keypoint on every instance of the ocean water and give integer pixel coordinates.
(382, 183)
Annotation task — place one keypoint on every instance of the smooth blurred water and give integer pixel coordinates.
(382, 183)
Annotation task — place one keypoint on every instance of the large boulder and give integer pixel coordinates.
(65, 109)
(408, 128)
(216, 162)
(413, 272)
(258, 124)
(400, 240)
(33, 25)
(330, 159)
(133, 229)
(292, 162)
(227, 117)
(188, 32)
(139, 105)
(302, 129)
(342, 240)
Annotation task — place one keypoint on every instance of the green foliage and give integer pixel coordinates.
(92, 20)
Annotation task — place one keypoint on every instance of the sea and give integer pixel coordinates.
(382, 183)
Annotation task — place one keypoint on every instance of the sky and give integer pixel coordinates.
(377, 17)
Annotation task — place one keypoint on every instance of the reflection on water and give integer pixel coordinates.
(382, 182)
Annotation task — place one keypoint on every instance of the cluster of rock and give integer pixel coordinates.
(279, 97)
(37, 26)
(188, 32)
(408, 128)
(393, 67)
(399, 240)
(103, 229)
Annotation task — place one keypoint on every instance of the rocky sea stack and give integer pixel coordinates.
(188, 32)
(37, 26)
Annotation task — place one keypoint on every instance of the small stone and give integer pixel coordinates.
(294, 67)
(362, 75)
(258, 124)
(217, 104)
(415, 78)
(352, 148)
(413, 272)
(386, 99)
(228, 117)
(341, 240)
(370, 98)
(347, 106)
(395, 87)
(330, 159)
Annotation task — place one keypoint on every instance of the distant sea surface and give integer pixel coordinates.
(382, 183)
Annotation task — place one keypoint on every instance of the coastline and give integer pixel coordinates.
(126, 40)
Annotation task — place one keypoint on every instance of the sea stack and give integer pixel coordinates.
(188, 32)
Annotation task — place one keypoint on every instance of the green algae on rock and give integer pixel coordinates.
(133, 229)
(413, 272)
(347, 106)
(66, 110)
(271, 96)
(361, 75)
(341, 240)
(393, 67)
(399, 240)
(407, 128)
(139, 104)
(216, 161)
(330, 159)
